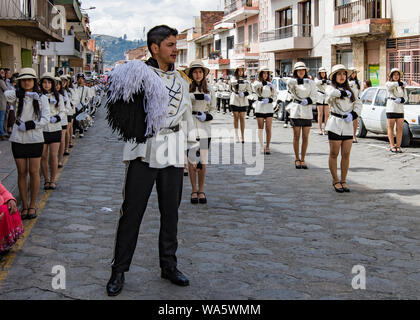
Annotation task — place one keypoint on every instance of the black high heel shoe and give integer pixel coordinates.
(298, 166)
(202, 200)
(345, 189)
(338, 190)
(194, 200)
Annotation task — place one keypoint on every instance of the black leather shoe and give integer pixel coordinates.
(175, 276)
(115, 284)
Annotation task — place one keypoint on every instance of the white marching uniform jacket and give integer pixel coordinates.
(322, 85)
(71, 107)
(74, 99)
(162, 150)
(29, 136)
(341, 106)
(219, 88)
(203, 128)
(238, 86)
(224, 91)
(55, 111)
(253, 96)
(83, 95)
(395, 91)
(300, 92)
(263, 91)
(354, 88)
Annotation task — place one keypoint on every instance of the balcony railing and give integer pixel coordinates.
(295, 30)
(357, 11)
(40, 11)
(238, 4)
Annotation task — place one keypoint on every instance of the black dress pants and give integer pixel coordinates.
(140, 179)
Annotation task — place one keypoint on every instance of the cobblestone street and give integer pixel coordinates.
(284, 234)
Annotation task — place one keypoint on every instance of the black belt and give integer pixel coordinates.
(197, 112)
(342, 116)
(297, 101)
(392, 98)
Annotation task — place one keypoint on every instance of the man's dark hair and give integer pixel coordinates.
(158, 34)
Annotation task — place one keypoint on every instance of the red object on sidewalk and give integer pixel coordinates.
(11, 228)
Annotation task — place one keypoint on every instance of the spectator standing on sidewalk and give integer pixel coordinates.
(33, 113)
(11, 227)
(3, 108)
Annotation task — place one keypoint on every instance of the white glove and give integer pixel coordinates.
(404, 84)
(328, 81)
(22, 127)
(201, 116)
(265, 101)
(349, 94)
(53, 119)
(349, 117)
(33, 95)
(398, 100)
(241, 94)
(270, 85)
(305, 102)
(52, 100)
(306, 80)
(207, 97)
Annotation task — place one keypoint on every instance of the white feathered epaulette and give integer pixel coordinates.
(133, 77)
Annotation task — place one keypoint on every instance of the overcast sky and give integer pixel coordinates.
(119, 17)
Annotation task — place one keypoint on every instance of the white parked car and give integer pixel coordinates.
(283, 97)
(373, 118)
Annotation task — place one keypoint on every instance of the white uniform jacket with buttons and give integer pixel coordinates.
(83, 95)
(341, 106)
(59, 111)
(75, 99)
(203, 128)
(253, 96)
(236, 87)
(300, 92)
(225, 91)
(71, 110)
(395, 91)
(219, 88)
(164, 149)
(264, 92)
(28, 114)
(321, 85)
(354, 88)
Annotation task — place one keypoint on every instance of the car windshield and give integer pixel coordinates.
(413, 96)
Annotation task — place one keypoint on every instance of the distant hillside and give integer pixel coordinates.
(115, 47)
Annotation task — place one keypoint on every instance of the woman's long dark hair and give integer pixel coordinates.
(321, 78)
(53, 90)
(356, 80)
(20, 95)
(260, 76)
(345, 86)
(202, 86)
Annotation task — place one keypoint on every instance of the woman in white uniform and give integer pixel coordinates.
(305, 95)
(345, 107)
(52, 131)
(203, 101)
(240, 89)
(357, 89)
(64, 121)
(323, 109)
(264, 108)
(32, 115)
(397, 97)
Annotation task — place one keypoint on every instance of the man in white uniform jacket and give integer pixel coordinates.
(153, 155)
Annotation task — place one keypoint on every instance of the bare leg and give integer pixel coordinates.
(242, 118)
(236, 125)
(61, 147)
(23, 170)
(305, 142)
(320, 117)
(296, 141)
(345, 160)
(201, 180)
(335, 147)
(268, 130)
(326, 115)
(193, 178)
(44, 163)
(260, 122)
(35, 179)
(400, 126)
(54, 160)
(391, 124)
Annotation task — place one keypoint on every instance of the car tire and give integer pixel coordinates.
(406, 137)
(361, 131)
